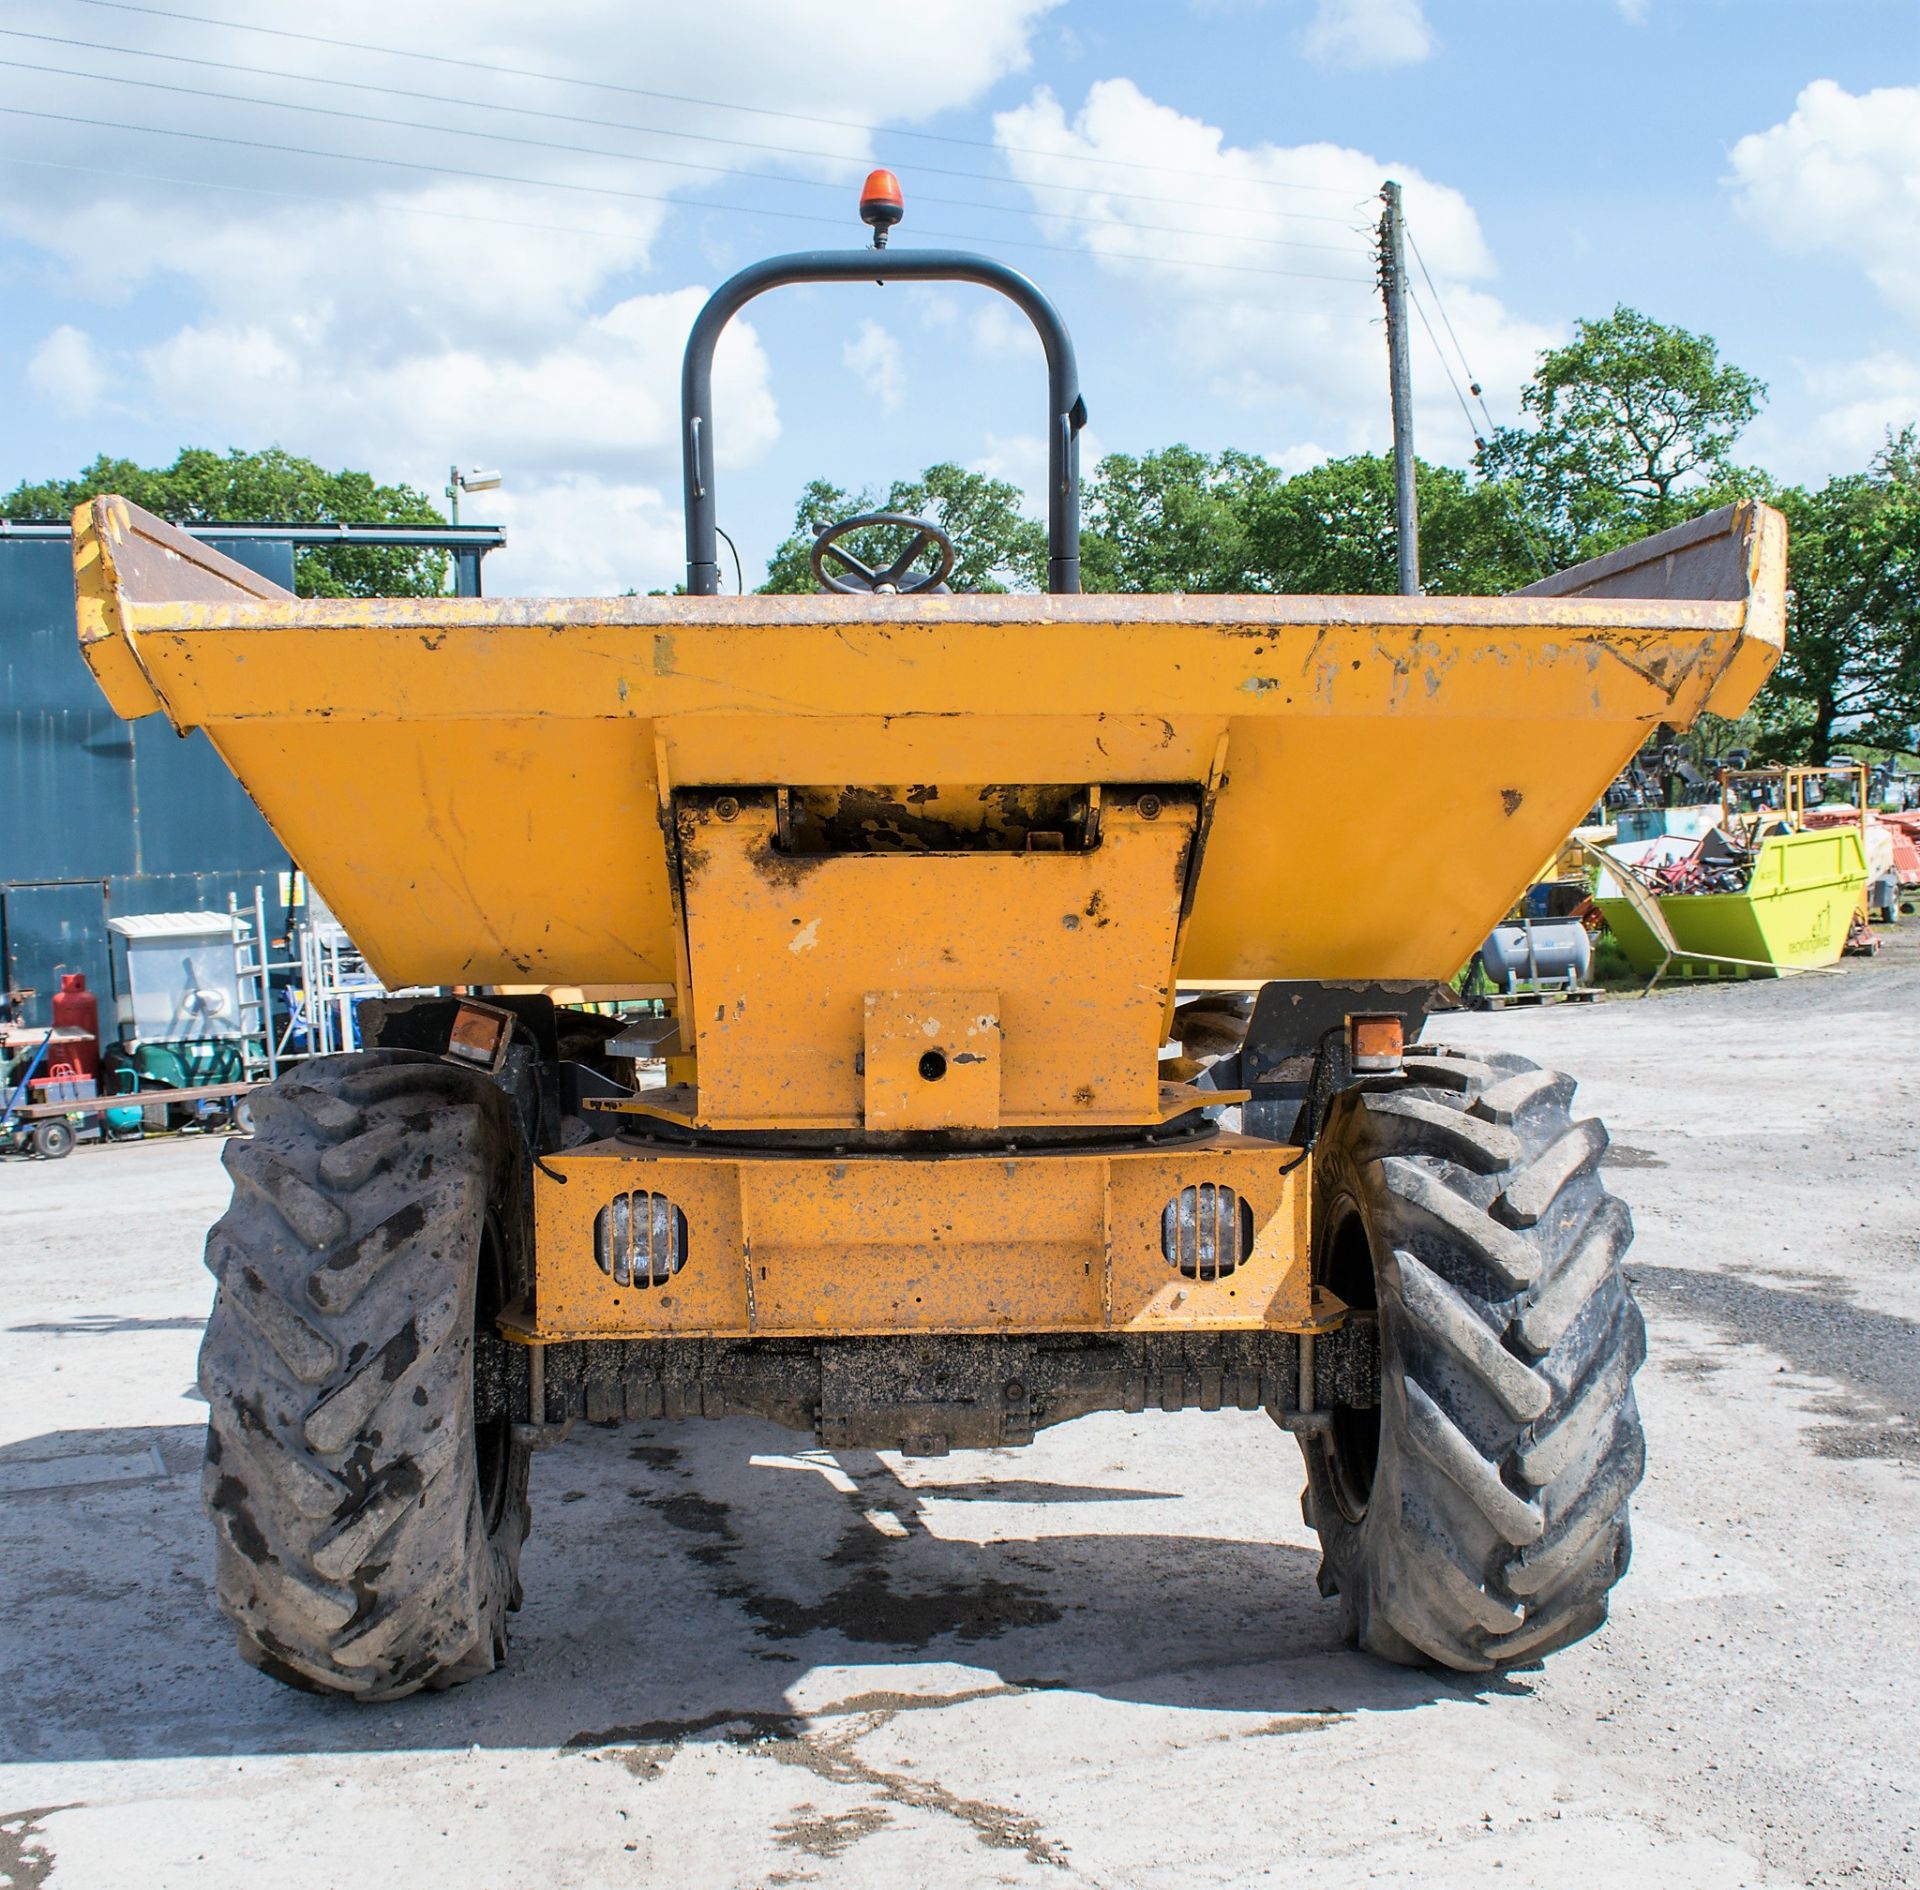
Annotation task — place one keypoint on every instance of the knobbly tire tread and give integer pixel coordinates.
(1510, 1441)
(342, 1478)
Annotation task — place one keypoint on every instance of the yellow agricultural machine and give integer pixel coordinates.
(1045, 978)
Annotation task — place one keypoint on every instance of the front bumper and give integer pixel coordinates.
(652, 1240)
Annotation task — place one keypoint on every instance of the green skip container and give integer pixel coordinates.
(1794, 914)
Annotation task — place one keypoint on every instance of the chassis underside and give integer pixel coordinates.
(924, 1395)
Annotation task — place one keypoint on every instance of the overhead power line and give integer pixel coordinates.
(385, 163)
(624, 157)
(315, 196)
(415, 95)
(1473, 380)
(603, 190)
(1446, 367)
(1514, 516)
(676, 98)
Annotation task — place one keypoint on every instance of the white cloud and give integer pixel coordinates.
(1021, 458)
(601, 396)
(1634, 12)
(1858, 403)
(997, 331)
(393, 316)
(65, 371)
(1363, 34)
(935, 308)
(873, 358)
(991, 326)
(1270, 295)
(637, 541)
(1300, 457)
(1872, 396)
(568, 423)
(1842, 174)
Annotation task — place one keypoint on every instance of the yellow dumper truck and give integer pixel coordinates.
(1046, 975)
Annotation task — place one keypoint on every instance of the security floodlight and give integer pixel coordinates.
(478, 480)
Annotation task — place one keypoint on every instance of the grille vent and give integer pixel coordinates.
(1206, 1231)
(640, 1240)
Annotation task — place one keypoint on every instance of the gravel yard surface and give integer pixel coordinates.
(1102, 1660)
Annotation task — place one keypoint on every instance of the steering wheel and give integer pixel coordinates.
(862, 579)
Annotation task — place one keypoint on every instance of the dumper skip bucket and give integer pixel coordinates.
(480, 786)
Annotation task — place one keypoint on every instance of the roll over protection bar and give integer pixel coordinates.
(1066, 416)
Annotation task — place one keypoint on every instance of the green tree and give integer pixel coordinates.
(207, 488)
(1852, 661)
(1171, 520)
(1632, 425)
(1332, 529)
(821, 502)
(1182, 520)
(997, 547)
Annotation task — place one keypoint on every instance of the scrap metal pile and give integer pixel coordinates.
(1893, 840)
(1718, 863)
(1905, 828)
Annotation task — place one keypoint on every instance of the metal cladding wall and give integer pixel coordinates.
(100, 817)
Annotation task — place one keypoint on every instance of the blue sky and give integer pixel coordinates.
(392, 261)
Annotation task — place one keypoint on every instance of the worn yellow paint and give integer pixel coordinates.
(474, 783)
(1076, 946)
(790, 1246)
(902, 1030)
(531, 792)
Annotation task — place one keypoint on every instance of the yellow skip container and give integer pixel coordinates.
(1793, 916)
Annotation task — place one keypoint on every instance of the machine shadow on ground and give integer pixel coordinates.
(684, 1582)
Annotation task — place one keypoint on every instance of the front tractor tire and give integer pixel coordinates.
(1477, 1517)
(368, 1533)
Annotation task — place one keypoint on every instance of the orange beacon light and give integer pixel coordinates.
(881, 204)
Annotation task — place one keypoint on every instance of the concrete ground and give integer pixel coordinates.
(744, 1661)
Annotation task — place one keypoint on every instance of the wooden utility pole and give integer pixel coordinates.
(1393, 287)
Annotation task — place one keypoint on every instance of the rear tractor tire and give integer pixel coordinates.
(368, 1532)
(1477, 1517)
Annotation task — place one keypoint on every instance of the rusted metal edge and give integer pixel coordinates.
(1713, 547)
(122, 555)
(1190, 878)
(1254, 616)
(519, 1324)
(1180, 1099)
(674, 1103)
(1735, 555)
(679, 1104)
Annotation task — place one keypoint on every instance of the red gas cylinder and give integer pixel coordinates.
(76, 1008)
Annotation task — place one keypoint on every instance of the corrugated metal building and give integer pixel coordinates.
(100, 817)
